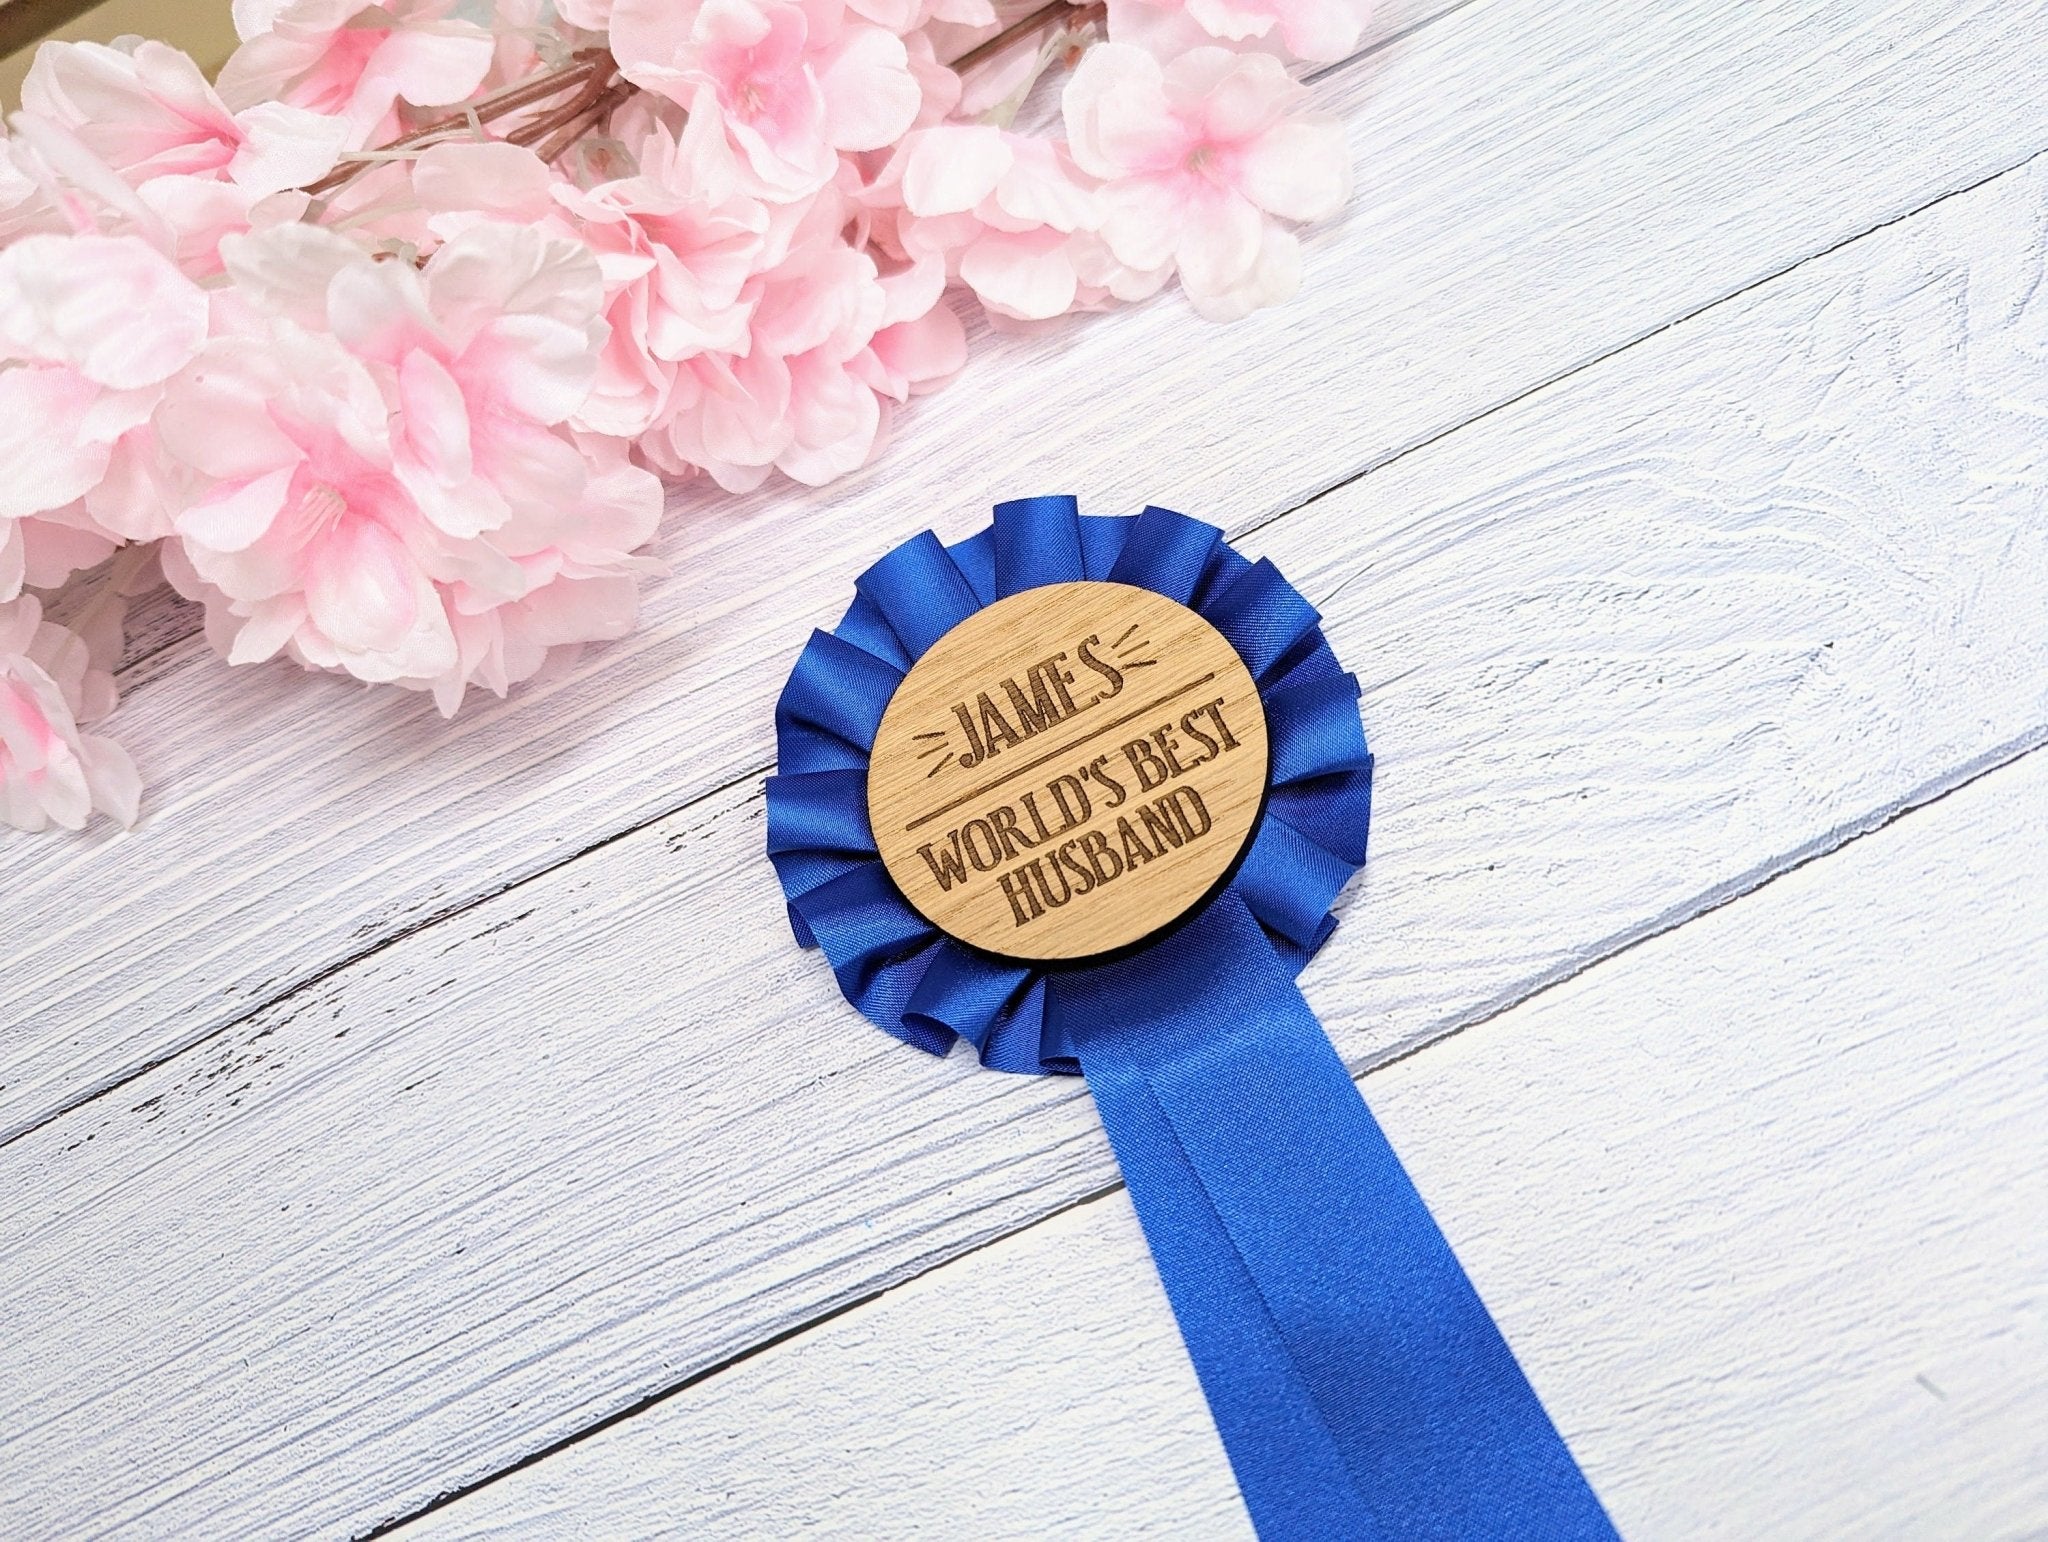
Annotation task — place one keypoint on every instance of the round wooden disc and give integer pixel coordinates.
(1068, 770)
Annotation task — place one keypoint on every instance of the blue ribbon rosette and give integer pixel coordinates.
(1360, 1387)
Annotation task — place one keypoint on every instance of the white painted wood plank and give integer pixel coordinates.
(1034, 1389)
(1540, 185)
(1630, 645)
(1759, 1204)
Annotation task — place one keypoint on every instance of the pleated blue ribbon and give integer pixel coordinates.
(1360, 1387)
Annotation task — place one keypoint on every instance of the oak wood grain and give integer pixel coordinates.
(1138, 811)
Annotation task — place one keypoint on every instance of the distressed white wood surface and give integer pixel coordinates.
(1540, 185)
(1631, 645)
(1759, 1205)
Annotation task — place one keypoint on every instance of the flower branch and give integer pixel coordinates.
(592, 74)
(422, 439)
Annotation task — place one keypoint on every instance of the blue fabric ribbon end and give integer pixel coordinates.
(1361, 1388)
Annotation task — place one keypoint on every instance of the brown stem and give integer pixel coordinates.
(593, 75)
(1039, 20)
(568, 131)
(592, 70)
(513, 99)
(539, 128)
(521, 92)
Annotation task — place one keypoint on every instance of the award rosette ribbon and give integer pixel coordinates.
(1082, 792)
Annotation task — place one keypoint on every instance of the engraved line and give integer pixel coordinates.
(935, 770)
(1065, 749)
(1140, 664)
(1127, 632)
(932, 749)
(936, 733)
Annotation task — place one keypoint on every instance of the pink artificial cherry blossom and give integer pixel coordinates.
(578, 584)
(920, 344)
(1009, 214)
(137, 141)
(355, 60)
(1197, 160)
(41, 552)
(51, 771)
(308, 542)
(677, 244)
(92, 327)
(1320, 30)
(792, 84)
(828, 333)
(787, 397)
(149, 112)
(384, 447)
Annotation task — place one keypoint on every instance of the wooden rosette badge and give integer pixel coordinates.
(1081, 792)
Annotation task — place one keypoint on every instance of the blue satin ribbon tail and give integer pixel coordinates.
(1360, 1386)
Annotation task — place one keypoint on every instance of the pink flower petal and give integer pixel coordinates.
(503, 181)
(1141, 221)
(1031, 279)
(50, 772)
(1298, 171)
(1231, 97)
(917, 355)
(113, 306)
(50, 458)
(52, 549)
(535, 367)
(837, 420)
(286, 147)
(1273, 277)
(649, 39)
(216, 417)
(871, 98)
(433, 417)
(1324, 30)
(271, 625)
(951, 169)
(1118, 117)
(237, 516)
(378, 310)
(1219, 18)
(287, 271)
(363, 592)
(1215, 253)
(433, 64)
(111, 779)
(1043, 189)
(493, 269)
(13, 562)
